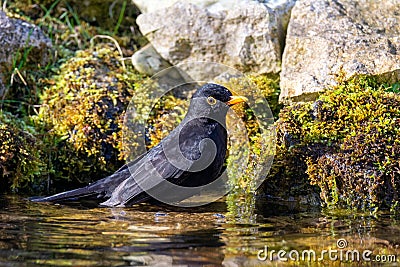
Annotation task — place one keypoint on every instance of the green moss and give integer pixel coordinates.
(251, 145)
(347, 142)
(21, 165)
(268, 84)
(81, 114)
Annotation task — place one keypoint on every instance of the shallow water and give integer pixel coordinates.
(33, 234)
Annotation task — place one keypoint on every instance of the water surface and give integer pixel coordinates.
(36, 234)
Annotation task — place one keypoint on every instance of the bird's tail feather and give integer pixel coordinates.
(98, 189)
(69, 195)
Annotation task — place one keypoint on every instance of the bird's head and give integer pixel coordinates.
(213, 100)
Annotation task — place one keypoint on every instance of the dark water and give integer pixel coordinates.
(33, 234)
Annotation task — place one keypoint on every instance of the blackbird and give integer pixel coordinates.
(192, 155)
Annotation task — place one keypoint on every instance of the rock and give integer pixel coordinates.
(147, 6)
(17, 37)
(246, 35)
(147, 61)
(327, 39)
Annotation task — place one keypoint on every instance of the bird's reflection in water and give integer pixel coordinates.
(186, 246)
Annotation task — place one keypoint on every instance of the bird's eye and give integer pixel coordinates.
(211, 100)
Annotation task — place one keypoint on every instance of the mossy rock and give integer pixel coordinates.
(21, 164)
(346, 143)
(82, 113)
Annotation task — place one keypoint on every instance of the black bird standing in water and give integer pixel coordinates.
(205, 120)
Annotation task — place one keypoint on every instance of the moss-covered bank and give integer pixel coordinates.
(346, 143)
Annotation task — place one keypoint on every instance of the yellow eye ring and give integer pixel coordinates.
(211, 100)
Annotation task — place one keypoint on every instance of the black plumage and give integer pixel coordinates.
(204, 122)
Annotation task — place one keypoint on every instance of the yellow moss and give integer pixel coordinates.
(20, 159)
(82, 111)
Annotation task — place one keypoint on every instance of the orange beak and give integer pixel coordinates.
(236, 100)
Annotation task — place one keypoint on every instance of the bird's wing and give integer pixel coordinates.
(131, 163)
(155, 169)
(146, 174)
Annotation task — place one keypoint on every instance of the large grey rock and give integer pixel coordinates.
(327, 39)
(17, 37)
(147, 6)
(247, 35)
